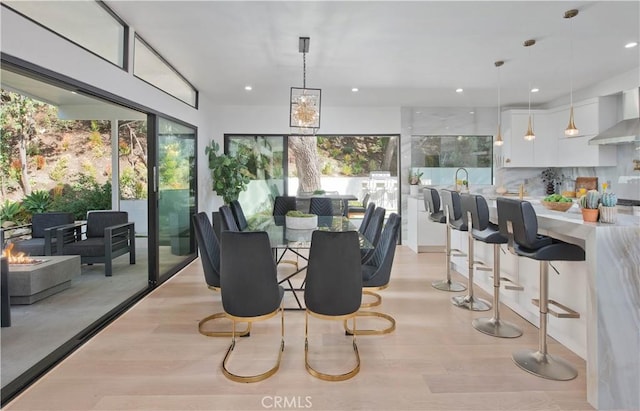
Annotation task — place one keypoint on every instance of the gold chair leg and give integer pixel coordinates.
(383, 316)
(257, 377)
(375, 303)
(244, 333)
(325, 376)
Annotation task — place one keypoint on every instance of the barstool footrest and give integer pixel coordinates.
(568, 312)
(455, 252)
(509, 284)
(481, 266)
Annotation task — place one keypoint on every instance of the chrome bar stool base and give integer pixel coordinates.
(471, 303)
(544, 365)
(496, 328)
(448, 285)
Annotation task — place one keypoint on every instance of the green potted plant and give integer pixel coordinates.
(589, 205)
(414, 181)
(229, 173)
(607, 208)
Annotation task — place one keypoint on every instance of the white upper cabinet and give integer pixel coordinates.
(518, 152)
(591, 117)
(551, 148)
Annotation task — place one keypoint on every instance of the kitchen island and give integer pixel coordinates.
(604, 289)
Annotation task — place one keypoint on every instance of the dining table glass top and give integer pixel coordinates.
(282, 237)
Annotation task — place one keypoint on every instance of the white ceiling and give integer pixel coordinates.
(397, 53)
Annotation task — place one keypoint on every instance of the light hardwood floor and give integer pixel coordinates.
(153, 358)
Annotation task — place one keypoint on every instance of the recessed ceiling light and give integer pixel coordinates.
(535, 90)
(355, 89)
(631, 45)
(248, 88)
(459, 90)
(73, 92)
(472, 112)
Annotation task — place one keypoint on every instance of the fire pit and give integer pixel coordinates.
(20, 258)
(32, 279)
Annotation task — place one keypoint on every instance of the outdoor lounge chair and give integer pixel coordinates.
(108, 235)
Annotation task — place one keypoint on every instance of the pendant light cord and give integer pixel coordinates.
(571, 62)
(304, 70)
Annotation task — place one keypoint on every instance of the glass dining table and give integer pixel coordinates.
(298, 242)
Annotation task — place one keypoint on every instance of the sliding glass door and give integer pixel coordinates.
(176, 184)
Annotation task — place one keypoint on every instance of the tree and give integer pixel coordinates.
(305, 151)
(18, 123)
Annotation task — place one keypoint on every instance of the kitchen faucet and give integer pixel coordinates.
(462, 183)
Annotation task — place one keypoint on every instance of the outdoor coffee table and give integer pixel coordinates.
(29, 283)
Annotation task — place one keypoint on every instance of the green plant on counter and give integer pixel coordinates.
(590, 200)
(557, 198)
(414, 177)
(609, 200)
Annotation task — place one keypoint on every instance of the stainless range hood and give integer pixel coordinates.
(628, 130)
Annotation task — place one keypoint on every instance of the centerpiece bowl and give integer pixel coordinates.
(557, 205)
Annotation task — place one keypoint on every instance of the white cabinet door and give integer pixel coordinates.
(423, 235)
(519, 152)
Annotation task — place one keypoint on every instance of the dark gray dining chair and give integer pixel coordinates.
(333, 289)
(283, 204)
(376, 274)
(321, 206)
(367, 217)
(227, 220)
(250, 290)
(209, 248)
(238, 215)
(372, 233)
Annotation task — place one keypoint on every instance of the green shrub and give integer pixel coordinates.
(83, 196)
(59, 171)
(37, 202)
(10, 210)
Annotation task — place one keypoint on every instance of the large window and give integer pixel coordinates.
(89, 24)
(438, 158)
(150, 67)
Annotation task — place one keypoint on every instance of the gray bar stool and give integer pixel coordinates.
(518, 222)
(469, 217)
(481, 229)
(453, 219)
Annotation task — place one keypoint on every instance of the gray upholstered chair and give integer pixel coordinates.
(209, 248)
(372, 233)
(227, 220)
(333, 288)
(376, 274)
(518, 222)
(249, 288)
(321, 206)
(366, 219)
(108, 235)
(238, 214)
(43, 237)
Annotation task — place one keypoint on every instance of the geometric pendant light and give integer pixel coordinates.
(304, 103)
(571, 129)
(499, 141)
(529, 136)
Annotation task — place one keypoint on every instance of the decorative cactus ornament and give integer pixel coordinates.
(590, 200)
(609, 199)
